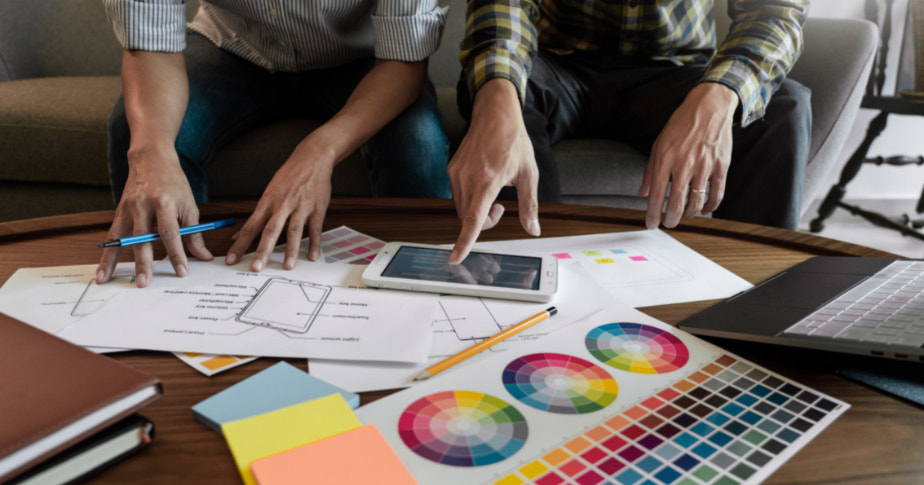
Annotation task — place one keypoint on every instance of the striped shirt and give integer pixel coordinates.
(764, 41)
(286, 35)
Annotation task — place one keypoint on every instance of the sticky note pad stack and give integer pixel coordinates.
(361, 455)
(277, 387)
(281, 430)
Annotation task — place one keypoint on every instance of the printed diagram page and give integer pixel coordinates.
(464, 321)
(316, 310)
(639, 268)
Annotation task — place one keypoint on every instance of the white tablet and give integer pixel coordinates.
(423, 267)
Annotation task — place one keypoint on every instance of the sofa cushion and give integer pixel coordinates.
(54, 129)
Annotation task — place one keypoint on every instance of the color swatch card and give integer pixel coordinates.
(618, 398)
(345, 245)
(211, 364)
(357, 456)
(276, 387)
(277, 431)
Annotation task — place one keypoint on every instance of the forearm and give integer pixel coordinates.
(389, 88)
(496, 106)
(156, 91)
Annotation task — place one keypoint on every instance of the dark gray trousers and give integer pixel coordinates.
(590, 95)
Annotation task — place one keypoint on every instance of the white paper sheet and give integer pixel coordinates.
(465, 321)
(640, 268)
(53, 298)
(316, 310)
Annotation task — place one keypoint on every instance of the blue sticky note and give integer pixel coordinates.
(277, 387)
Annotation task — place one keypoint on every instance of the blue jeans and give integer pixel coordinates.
(229, 96)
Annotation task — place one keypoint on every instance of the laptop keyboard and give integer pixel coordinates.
(887, 308)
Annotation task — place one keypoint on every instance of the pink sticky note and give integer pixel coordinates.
(562, 255)
(638, 258)
(360, 455)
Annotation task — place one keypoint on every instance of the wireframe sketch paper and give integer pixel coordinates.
(640, 268)
(54, 298)
(316, 310)
(465, 321)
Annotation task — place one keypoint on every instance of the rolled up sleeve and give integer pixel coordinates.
(149, 25)
(500, 37)
(763, 44)
(407, 30)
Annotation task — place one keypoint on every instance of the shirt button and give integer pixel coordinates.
(275, 13)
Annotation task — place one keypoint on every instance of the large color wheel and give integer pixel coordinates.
(634, 347)
(462, 428)
(559, 383)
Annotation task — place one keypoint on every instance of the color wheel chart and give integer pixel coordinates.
(463, 428)
(559, 383)
(619, 398)
(637, 348)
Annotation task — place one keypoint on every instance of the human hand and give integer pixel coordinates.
(692, 152)
(297, 196)
(156, 191)
(495, 153)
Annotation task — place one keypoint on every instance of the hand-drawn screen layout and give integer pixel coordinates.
(285, 305)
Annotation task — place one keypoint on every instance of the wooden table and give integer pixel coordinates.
(879, 440)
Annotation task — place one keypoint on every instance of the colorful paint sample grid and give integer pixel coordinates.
(344, 245)
(617, 398)
(720, 425)
(210, 364)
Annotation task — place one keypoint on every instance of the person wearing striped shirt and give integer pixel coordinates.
(361, 65)
(646, 72)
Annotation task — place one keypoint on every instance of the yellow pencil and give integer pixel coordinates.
(477, 348)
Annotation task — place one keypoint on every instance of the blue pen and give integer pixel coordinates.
(153, 236)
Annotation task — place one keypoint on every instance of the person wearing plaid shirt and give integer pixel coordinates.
(358, 65)
(725, 131)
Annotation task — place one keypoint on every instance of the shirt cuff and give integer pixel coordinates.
(408, 38)
(148, 26)
(752, 94)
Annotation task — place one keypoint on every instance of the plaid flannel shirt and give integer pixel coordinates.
(764, 40)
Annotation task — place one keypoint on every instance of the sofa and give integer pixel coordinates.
(59, 78)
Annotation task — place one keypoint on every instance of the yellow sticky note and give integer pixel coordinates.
(266, 434)
(360, 455)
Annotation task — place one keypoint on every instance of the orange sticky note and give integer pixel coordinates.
(360, 455)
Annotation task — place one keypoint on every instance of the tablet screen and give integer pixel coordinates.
(482, 269)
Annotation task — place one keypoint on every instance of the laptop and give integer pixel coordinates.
(867, 306)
